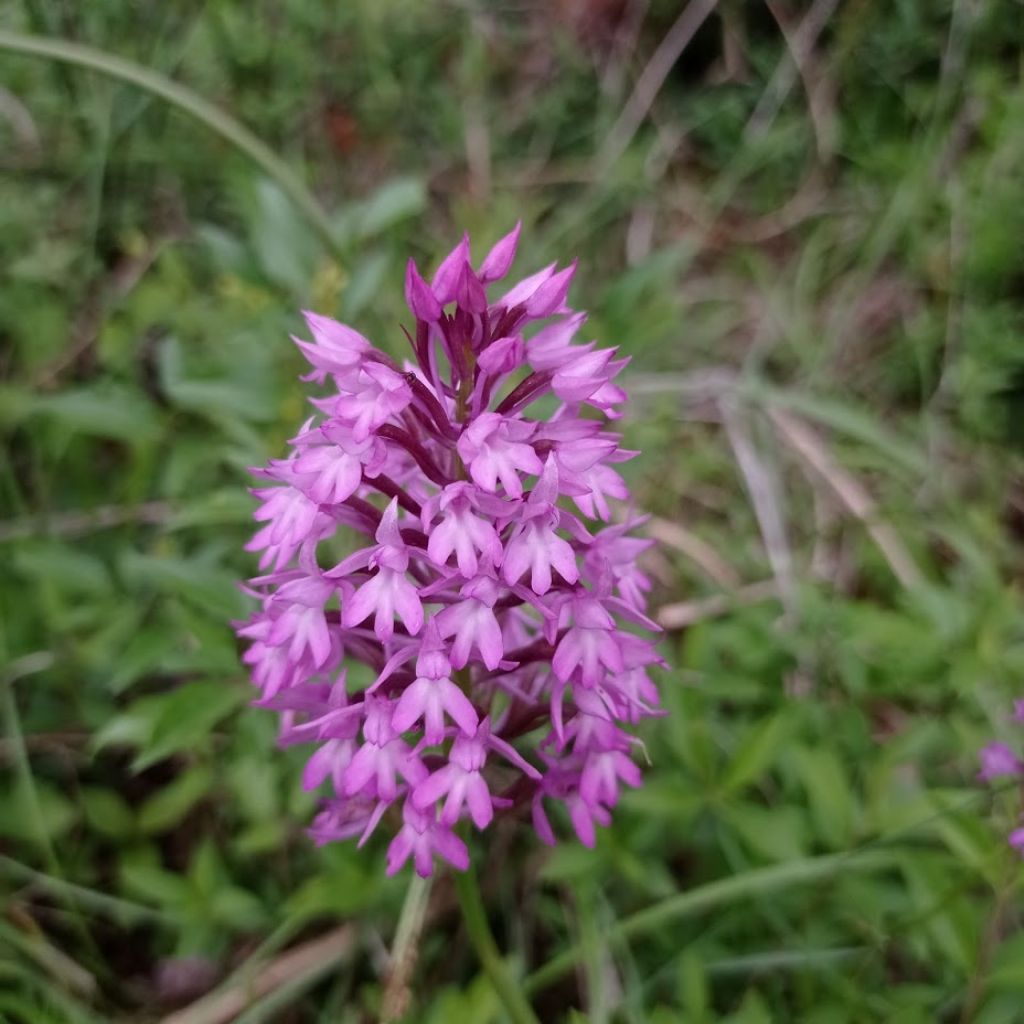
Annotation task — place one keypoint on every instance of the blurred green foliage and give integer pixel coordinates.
(845, 249)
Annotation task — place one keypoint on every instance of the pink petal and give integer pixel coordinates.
(517, 558)
(418, 296)
(422, 858)
(447, 276)
(582, 822)
(411, 705)
(463, 645)
(399, 850)
(541, 824)
(479, 799)
(362, 603)
(387, 532)
(465, 550)
(469, 293)
(318, 767)
(550, 296)
(319, 641)
(629, 771)
(387, 784)
(563, 558)
(540, 578)
(335, 335)
(434, 787)
(488, 641)
(443, 539)
(484, 471)
(451, 848)
(433, 715)
(520, 292)
(458, 706)
(408, 606)
(567, 655)
(361, 769)
(498, 261)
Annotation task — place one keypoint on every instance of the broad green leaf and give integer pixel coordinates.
(237, 908)
(107, 812)
(777, 833)
(18, 820)
(828, 790)
(752, 1011)
(109, 411)
(344, 887)
(208, 586)
(285, 247)
(759, 749)
(157, 885)
(217, 398)
(366, 281)
(182, 719)
(394, 201)
(229, 506)
(66, 567)
(130, 728)
(571, 860)
(692, 986)
(1007, 972)
(169, 805)
(263, 837)
(254, 784)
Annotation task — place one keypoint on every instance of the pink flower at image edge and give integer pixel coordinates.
(998, 761)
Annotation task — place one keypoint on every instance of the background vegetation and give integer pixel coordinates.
(803, 222)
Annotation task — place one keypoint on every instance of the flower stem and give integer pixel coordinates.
(510, 994)
(406, 947)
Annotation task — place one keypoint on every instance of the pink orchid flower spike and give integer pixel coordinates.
(495, 589)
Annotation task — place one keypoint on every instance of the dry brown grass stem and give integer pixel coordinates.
(688, 613)
(762, 483)
(675, 536)
(804, 441)
(652, 78)
(304, 961)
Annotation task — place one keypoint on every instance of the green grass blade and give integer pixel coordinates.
(724, 890)
(84, 897)
(187, 101)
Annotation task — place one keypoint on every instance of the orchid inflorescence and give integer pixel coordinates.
(506, 642)
(999, 761)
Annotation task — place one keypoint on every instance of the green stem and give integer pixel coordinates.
(189, 103)
(724, 890)
(510, 994)
(28, 665)
(90, 899)
(395, 1003)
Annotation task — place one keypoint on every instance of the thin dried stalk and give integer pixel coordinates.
(766, 497)
(652, 78)
(806, 443)
(674, 535)
(688, 613)
(311, 958)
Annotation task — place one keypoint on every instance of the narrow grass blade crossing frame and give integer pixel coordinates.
(724, 890)
(187, 101)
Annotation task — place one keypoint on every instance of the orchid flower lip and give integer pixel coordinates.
(495, 599)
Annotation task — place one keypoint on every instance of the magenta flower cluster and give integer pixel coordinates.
(506, 637)
(999, 761)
